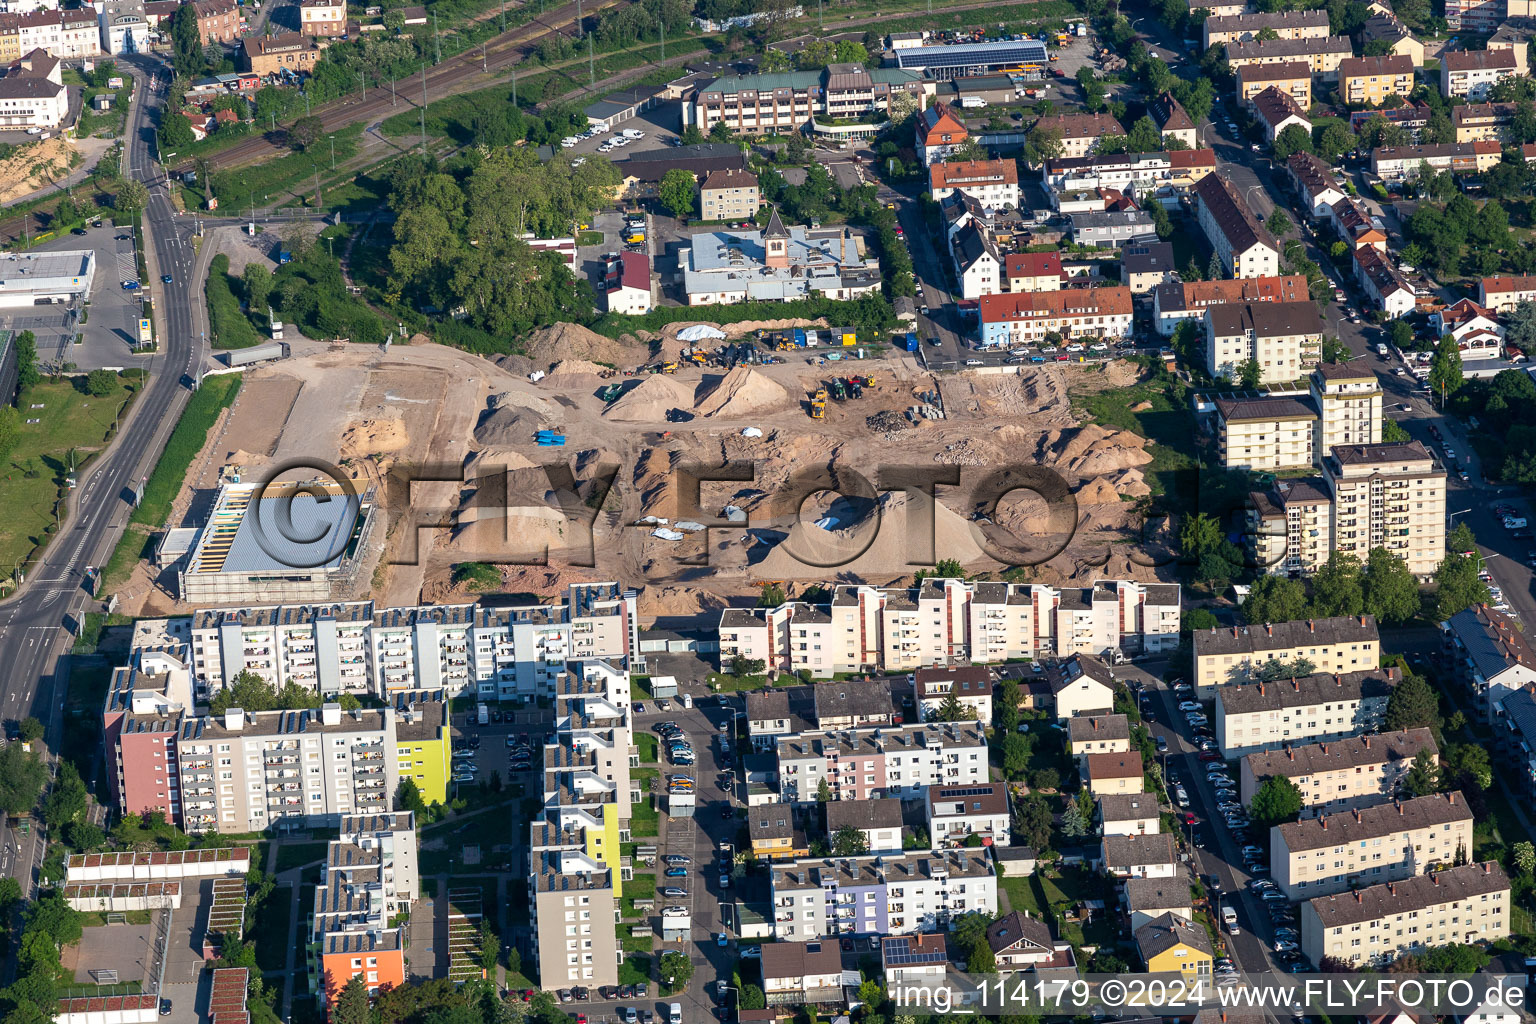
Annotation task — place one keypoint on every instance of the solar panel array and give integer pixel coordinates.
(898, 953)
(1019, 52)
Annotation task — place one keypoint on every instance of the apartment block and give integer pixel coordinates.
(895, 761)
(955, 813)
(1493, 658)
(1242, 28)
(574, 914)
(1314, 708)
(218, 21)
(1374, 926)
(1386, 843)
(1483, 122)
(325, 18)
(1348, 398)
(1271, 434)
(1341, 775)
(1175, 302)
(905, 895)
(489, 652)
(285, 53)
(1479, 16)
(789, 100)
(1244, 246)
(1390, 496)
(971, 686)
(370, 876)
(1291, 77)
(943, 622)
(1232, 654)
(1470, 74)
(1127, 171)
(1080, 133)
(1403, 163)
(1285, 338)
(1321, 54)
(1367, 81)
(1290, 526)
(992, 183)
(1021, 319)
(729, 195)
(1501, 294)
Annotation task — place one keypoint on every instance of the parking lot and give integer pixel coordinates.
(661, 125)
(111, 327)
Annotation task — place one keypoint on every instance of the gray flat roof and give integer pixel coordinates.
(303, 533)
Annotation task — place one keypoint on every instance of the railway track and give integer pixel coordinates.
(500, 53)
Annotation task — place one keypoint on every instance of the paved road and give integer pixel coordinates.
(36, 626)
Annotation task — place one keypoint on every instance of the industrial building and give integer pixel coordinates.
(45, 278)
(955, 61)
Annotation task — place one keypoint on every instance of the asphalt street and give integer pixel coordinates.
(38, 624)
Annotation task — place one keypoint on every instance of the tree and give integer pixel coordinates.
(188, 43)
(1278, 223)
(351, 1002)
(1333, 140)
(1412, 705)
(771, 596)
(305, 132)
(84, 836)
(1199, 534)
(1294, 668)
(175, 132)
(1467, 765)
(1005, 706)
(68, 800)
(1423, 776)
(408, 798)
(849, 841)
(1074, 825)
(1445, 372)
(30, 729)
(1390, 591)
(1249, 373)
(490, 947)
(1017, 751)
(258, 286)
(131, 196)
(52, 916)
(1336, 588)
(823, 791)
(752, 998)
(1523, 856)
(676, 192)
(22, 774)
(1274, 598)
(1144, 137)
(27, 373)
(100, 384)
(1400, 335)
(676, 970)
(979, 957)
(1457, 585)
(1034, 821)
(1520, 326)
(951, 710)
(1275, 802)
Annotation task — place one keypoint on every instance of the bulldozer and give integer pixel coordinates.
(819, 404)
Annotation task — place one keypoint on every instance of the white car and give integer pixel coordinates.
(1188, 705)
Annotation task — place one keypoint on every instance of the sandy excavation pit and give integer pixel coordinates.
(621, 468)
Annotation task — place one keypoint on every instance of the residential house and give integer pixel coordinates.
(1502, 294)
(914, 959)
(1033, 271)
(1173, 121)
(1285, 338)
(1026, 318)
(729, 195)
(939, 133)
(1383, 26)
(1080, 133)
(1277, 111)
(1139, 856)
(992, 183)
(1403, 163)
(323, 18)
(969, 686)
(285, 52)
(1082, 685)
(1112, 229)
(1388, 290)
(1129, 814)
(1171, 945)
(1110, 774)
(1097, 734)
(1483, 122)
(1244, 246)
(1492, 655)
(774, 834)
(956, 813)
(796, 973)
(1147, 265)
(1020, 942)
(1147, 899)
(1315, 182)
(879, 821)
(1174, 303)
(977, 263)
(627, 284)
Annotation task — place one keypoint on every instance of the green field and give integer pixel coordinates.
(32, 480)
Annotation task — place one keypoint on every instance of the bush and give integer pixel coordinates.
(185, 442)
(226, 323)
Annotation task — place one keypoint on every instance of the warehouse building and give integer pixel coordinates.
(44, 278)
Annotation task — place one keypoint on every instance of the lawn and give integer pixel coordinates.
(1173, 473)
(630, 944)
(294, 855)
(648, 748)
(634, 970)
(487, 830)
(640, 887)
(269, 930)
(644, 819)
(56, 418)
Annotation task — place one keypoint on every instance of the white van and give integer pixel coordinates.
(675, 1014)
(632, 133)
(597, 129)
(687, 700)
(1514, 523)
(1229, 918)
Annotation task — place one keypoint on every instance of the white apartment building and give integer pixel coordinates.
(955, 813)
(1314, 708)
(1377, 925)
(944, 622)
(977, 263)
(369, 878)
(1340, 775)
(1284, 337)
(1348, 398)
(1267, 434)
(917, 892)
(32, 93)
(992, 183)
(1391, 496)
(890, 762)
(971, 686)
(492, 653)
(1470, 74)
(1385, 843)
(1229, 654)
(1245, 247)
(1501, 294)
(1126, 172)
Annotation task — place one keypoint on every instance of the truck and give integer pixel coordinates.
(483, 716)
(609, 392)
(256, 354)
(972, 102)
(1382, 350)
(819, 404)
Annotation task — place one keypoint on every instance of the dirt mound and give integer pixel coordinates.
(1098, 492)
(1096, 451)
(678, 601)
(494, 460)
(511, 419)
(1132, 484)
(883, 538)
(373, 437)
(572, 341)
(575, 372)
(742, 392)
(650, 401)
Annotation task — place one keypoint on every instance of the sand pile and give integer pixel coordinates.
(1098, 492)
(1096, 451)
(742, 392)
(511, 418)
(1132, 483)
(572, 373)
(490, 461)
(521, 515)
(653, 481)
(880, 547)
(745, 327)
(651, 400)
(559, 342)
(373, 437)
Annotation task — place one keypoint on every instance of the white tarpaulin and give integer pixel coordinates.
(751, 432)
(666, 534)
(699, 332)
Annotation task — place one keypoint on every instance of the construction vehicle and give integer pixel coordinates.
(855, 389)
(698, 356)
(819, 404)
(669, 367)
(609, 392)
(838, 390)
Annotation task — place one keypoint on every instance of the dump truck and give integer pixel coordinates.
(698, 356)
(819, 404)
(669, 367)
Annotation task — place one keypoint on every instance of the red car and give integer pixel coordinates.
(1209, 755)
(581, 1018)
(1190, 819)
